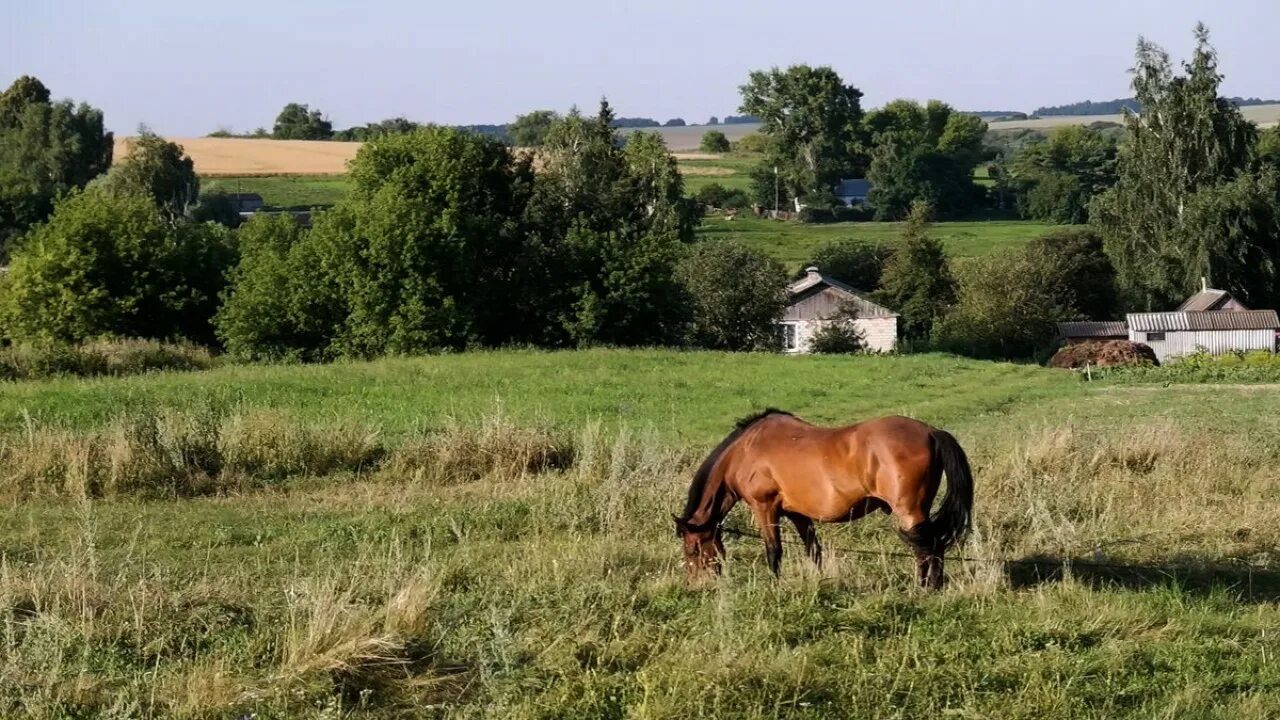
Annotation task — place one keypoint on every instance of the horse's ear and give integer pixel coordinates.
(682, 525)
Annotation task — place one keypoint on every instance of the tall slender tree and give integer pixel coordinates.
(1190, 201)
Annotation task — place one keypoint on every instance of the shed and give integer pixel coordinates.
(1174, 334)
(815, 298)
(1093, 331)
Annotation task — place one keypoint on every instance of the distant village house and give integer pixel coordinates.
(815, 298)
(1211, 320)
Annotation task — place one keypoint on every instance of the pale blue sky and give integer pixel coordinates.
(186, 68)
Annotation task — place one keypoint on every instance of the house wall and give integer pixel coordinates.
(879, 334)
(1216, 342)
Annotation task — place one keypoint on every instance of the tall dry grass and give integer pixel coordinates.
(100, 357)
(489, 568)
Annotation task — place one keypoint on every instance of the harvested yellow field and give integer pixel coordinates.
(242, 156)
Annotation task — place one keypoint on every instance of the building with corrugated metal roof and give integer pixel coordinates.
(1093, 331)
(814, 299)
(1218, 332)
(1211, 320)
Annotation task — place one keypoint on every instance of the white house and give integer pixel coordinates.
(1174, 334)
(816, 297)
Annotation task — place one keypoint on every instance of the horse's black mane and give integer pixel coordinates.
(703, 474)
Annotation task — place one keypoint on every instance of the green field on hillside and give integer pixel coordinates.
(372, 540)
(291, 192)
(794, 243)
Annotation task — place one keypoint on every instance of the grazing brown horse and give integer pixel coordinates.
(781, 466)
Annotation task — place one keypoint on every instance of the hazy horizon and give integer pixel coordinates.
(184, 71)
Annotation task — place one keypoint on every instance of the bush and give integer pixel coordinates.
(737, 294)
(753, 143)
(839, 335)
(216, 207)
(1006, 308)
(283, 304)
(714, 141)
(110, 264)
(718, 196)
(854, 262)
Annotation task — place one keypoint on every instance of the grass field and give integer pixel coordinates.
(390, 551)
(794, 243)
(294, 192)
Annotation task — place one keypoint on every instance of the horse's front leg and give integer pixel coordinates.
(767, 519)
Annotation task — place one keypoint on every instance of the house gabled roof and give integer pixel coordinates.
(1210, 299)
(815, 281)
(1204, 320)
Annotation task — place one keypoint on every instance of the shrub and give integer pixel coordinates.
(718, 196)
(737, 294)
(714, 141)
(110, 264)
(839, 335)
(854, 262)
(752, 143)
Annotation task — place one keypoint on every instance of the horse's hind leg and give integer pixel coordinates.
(804, 526)
(915, 532)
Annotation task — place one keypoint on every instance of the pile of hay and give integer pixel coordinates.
(1113, 353)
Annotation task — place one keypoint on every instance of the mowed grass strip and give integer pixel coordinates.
(684, 396)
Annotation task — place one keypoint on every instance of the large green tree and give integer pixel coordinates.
(1190, 200)
(917, 282)
(111, 264)
(813, 118)
(283, 304)
(300, 122)
(737, 293)
(46, 148)
(160, 170)
(1007, 305)
(530, 129)
(923, 153)
(607, 227)
(1056, 179)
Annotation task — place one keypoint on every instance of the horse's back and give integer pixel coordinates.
(826, 472)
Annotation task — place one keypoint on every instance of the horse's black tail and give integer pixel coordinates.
(950, 524)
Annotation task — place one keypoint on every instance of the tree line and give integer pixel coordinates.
(1121, 105)
(449, 240)
(298, 121)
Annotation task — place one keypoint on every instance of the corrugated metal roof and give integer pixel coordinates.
(1102, 328)
(815, 279)
(1209, 299)
(1204, 320)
